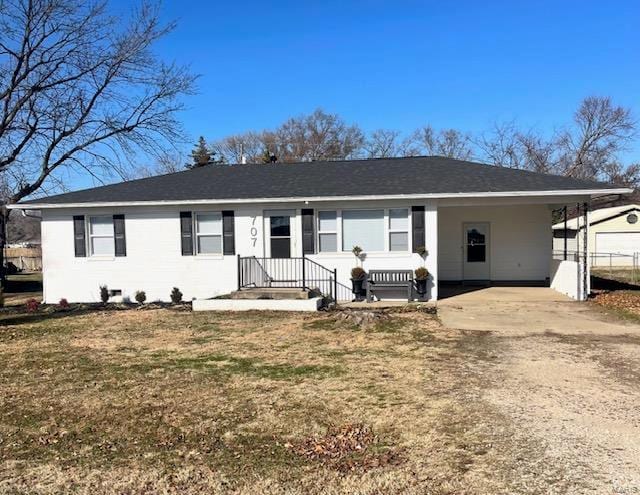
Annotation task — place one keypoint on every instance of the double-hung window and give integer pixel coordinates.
(209, 233)
(328, 231)
(101, 236)
(398, 229)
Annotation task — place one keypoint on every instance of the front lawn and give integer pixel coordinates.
(148, 401)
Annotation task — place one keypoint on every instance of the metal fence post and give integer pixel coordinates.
(610, 264)
(304, 272)
(239, 277)
(335, 285)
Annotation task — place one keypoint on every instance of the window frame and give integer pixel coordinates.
(90, 236)
(398, 231)
(386, 226)
(336, 232)
(197, 234)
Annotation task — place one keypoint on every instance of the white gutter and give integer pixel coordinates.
(309, 199)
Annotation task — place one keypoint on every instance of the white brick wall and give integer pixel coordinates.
(154, 262)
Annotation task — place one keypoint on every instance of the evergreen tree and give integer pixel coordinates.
(201, 154)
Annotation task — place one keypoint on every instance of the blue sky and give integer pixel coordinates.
(400, 65)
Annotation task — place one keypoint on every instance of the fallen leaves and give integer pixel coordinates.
(346, 448)
(623, 300)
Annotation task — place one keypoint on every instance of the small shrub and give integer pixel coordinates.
(357, 251)
(104, 294)
(63, 303)
(422, 273)
(358, 273)
(422, 251)
(32, 305)
(176, 296)
(140, 296)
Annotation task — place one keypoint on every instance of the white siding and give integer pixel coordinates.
(520, 242)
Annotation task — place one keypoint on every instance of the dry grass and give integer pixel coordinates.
(162, 401)
(625, 275)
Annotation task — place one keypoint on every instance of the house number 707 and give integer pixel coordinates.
(253, 232)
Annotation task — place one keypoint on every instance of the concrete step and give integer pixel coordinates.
(271, 293)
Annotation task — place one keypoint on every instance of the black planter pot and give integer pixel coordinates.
(358, 288)
(421, 287)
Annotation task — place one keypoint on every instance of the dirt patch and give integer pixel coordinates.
(579, 402)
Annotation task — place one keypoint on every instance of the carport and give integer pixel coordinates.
(498, 242)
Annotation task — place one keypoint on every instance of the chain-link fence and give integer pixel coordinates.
(621, 267)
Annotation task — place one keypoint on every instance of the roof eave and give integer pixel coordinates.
(545, 193)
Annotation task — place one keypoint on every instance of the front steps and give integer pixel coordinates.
(309, 304)
(277, 293)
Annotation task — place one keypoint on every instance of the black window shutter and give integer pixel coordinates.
(119, 235)
(186, 233)
(228, 233)
(79, 237)
(308, 231)
(417, 224)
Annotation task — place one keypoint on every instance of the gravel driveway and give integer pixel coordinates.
(568, 376)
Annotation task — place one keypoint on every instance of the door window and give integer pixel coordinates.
(280, 230)
(476, 246)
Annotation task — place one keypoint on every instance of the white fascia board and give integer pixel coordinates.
(309, 199)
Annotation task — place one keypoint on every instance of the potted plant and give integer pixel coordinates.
(358, 276)
(422, 274)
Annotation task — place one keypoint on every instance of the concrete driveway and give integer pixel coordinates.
(522, 310)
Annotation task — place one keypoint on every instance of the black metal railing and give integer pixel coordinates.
(295, 273)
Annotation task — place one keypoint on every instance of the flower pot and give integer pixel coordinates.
(358, 288)
(421, 287)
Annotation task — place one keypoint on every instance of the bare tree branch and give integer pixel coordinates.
(81, 89)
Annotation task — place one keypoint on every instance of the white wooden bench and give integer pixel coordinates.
(381, 280)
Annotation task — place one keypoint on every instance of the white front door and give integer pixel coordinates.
(475, 240)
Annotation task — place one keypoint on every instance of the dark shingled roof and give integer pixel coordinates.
(383, 176)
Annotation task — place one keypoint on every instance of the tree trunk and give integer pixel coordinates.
(4, 213)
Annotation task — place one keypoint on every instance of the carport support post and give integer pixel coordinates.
(585, 251)
(565, 232)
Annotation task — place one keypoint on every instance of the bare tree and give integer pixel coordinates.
(81, 89)
(382, 143)
(248, 146)
(616, 173)
(169, 162)
(602, 130)
(588, 149)
(500, 146)
(318, 136)
(537, 153)
(447, 142)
